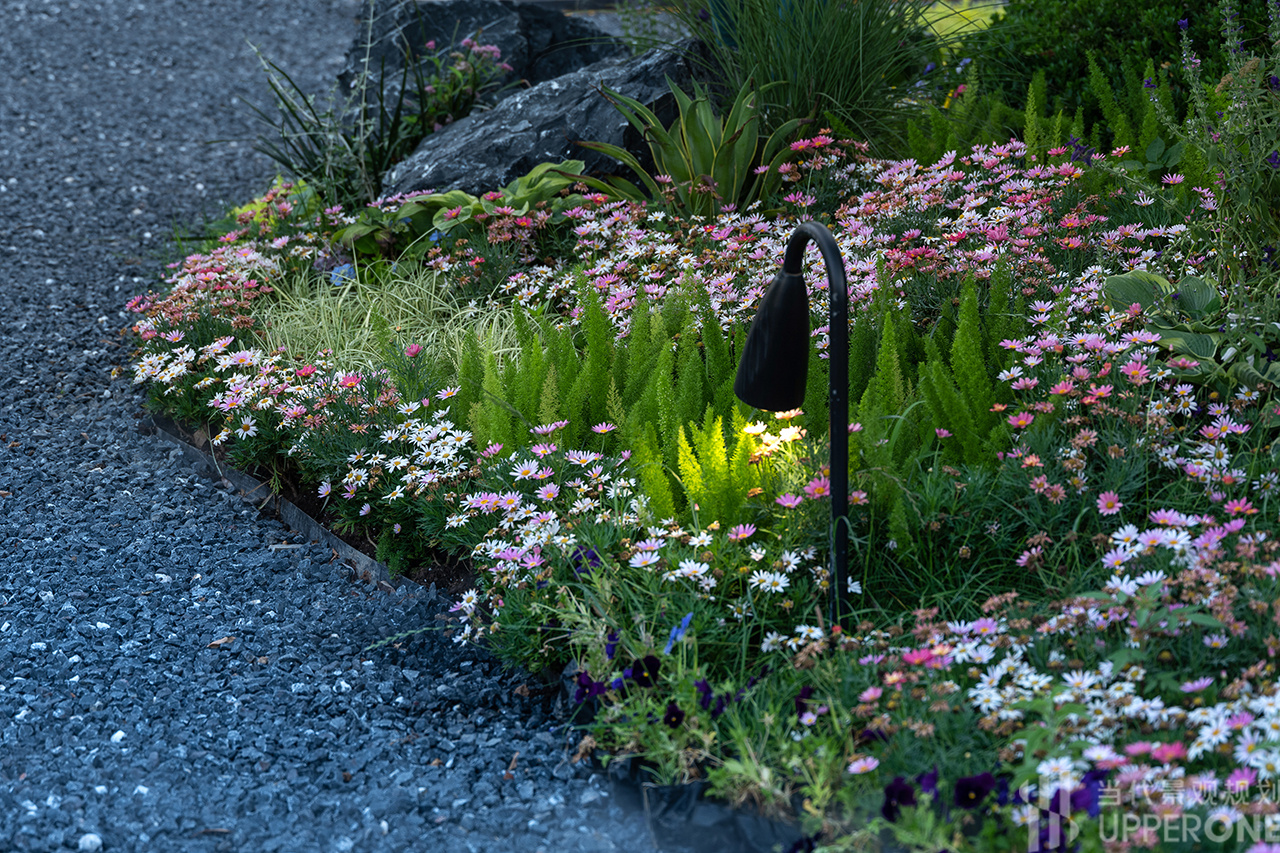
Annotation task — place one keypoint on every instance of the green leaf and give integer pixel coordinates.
(1201, 619)
(1197, 297)
(1154, 150)
(1192, 344)
(1146, 289)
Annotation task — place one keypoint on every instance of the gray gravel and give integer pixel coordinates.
(124, 723)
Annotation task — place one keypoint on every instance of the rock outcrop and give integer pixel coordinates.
(491, 148)
(539, 43)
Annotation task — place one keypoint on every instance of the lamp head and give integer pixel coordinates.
(775, 359)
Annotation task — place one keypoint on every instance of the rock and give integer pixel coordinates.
(90, 842)
(489, 149)
(538, 43)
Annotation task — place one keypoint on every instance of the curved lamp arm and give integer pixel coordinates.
(774, 366)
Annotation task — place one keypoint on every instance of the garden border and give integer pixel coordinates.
(673, 812)
(362, 566)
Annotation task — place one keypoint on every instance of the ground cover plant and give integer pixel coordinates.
(1063, 477)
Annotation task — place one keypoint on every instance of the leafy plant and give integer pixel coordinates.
(857, 61)
(707, 160)
(1028, 37)
(1235, 129)
(408, 228)
(1220, 350)
(342, 149)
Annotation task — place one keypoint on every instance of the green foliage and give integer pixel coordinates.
(409, 230)
(1235, 131)
(853, 60)
(711, 160)
(1031, 37)
(715, 472)
(1219, 350)
(966, 117)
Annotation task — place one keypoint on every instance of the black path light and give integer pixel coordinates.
(775, 365)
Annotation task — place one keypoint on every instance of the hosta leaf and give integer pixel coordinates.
(1144, 288)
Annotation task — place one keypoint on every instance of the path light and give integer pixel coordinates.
(775, 364)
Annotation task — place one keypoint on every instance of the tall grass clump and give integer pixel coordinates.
(343, 147)
(853, 61)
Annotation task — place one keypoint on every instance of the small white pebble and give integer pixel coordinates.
(91, 842)
(117, 737)
(142, 789)
(39, 647)
(46, 596)
(100, 789)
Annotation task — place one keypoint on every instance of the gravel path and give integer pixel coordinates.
(126, 715)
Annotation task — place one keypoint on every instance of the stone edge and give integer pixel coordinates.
(252, 490)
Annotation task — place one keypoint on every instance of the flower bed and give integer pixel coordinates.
(1062, 490)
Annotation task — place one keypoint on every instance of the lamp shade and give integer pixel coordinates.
(775, 359)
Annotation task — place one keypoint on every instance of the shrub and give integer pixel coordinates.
(1030, 36)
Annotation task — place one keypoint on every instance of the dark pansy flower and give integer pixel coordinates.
(801, 705)
(867, 736)
(1088, 797)
(928, 781)
(644, 672)
(719, 708)
(585, 559)
(704, 694)
(611, 645)
(897, 793)
(674, 716)
(1273, 160)
(587, 688)
(1002, 791)
(806, 844)
(972, 790)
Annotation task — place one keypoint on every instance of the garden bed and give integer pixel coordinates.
(1063, 481)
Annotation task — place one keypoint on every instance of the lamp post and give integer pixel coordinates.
(775, 364)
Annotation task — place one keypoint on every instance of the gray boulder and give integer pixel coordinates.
(539, 43)
(487, 150)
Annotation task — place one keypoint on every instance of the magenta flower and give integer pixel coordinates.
(985, 627)
(1022, 420)
(789, 501)
(819, 487)
(942, 433)
(1109, 503)
(1240, 779)
(413, 350)
(1168, 752)
(1240, 506)
(603, 428)
(547, 429)
(1197, 685)
(742, 531)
